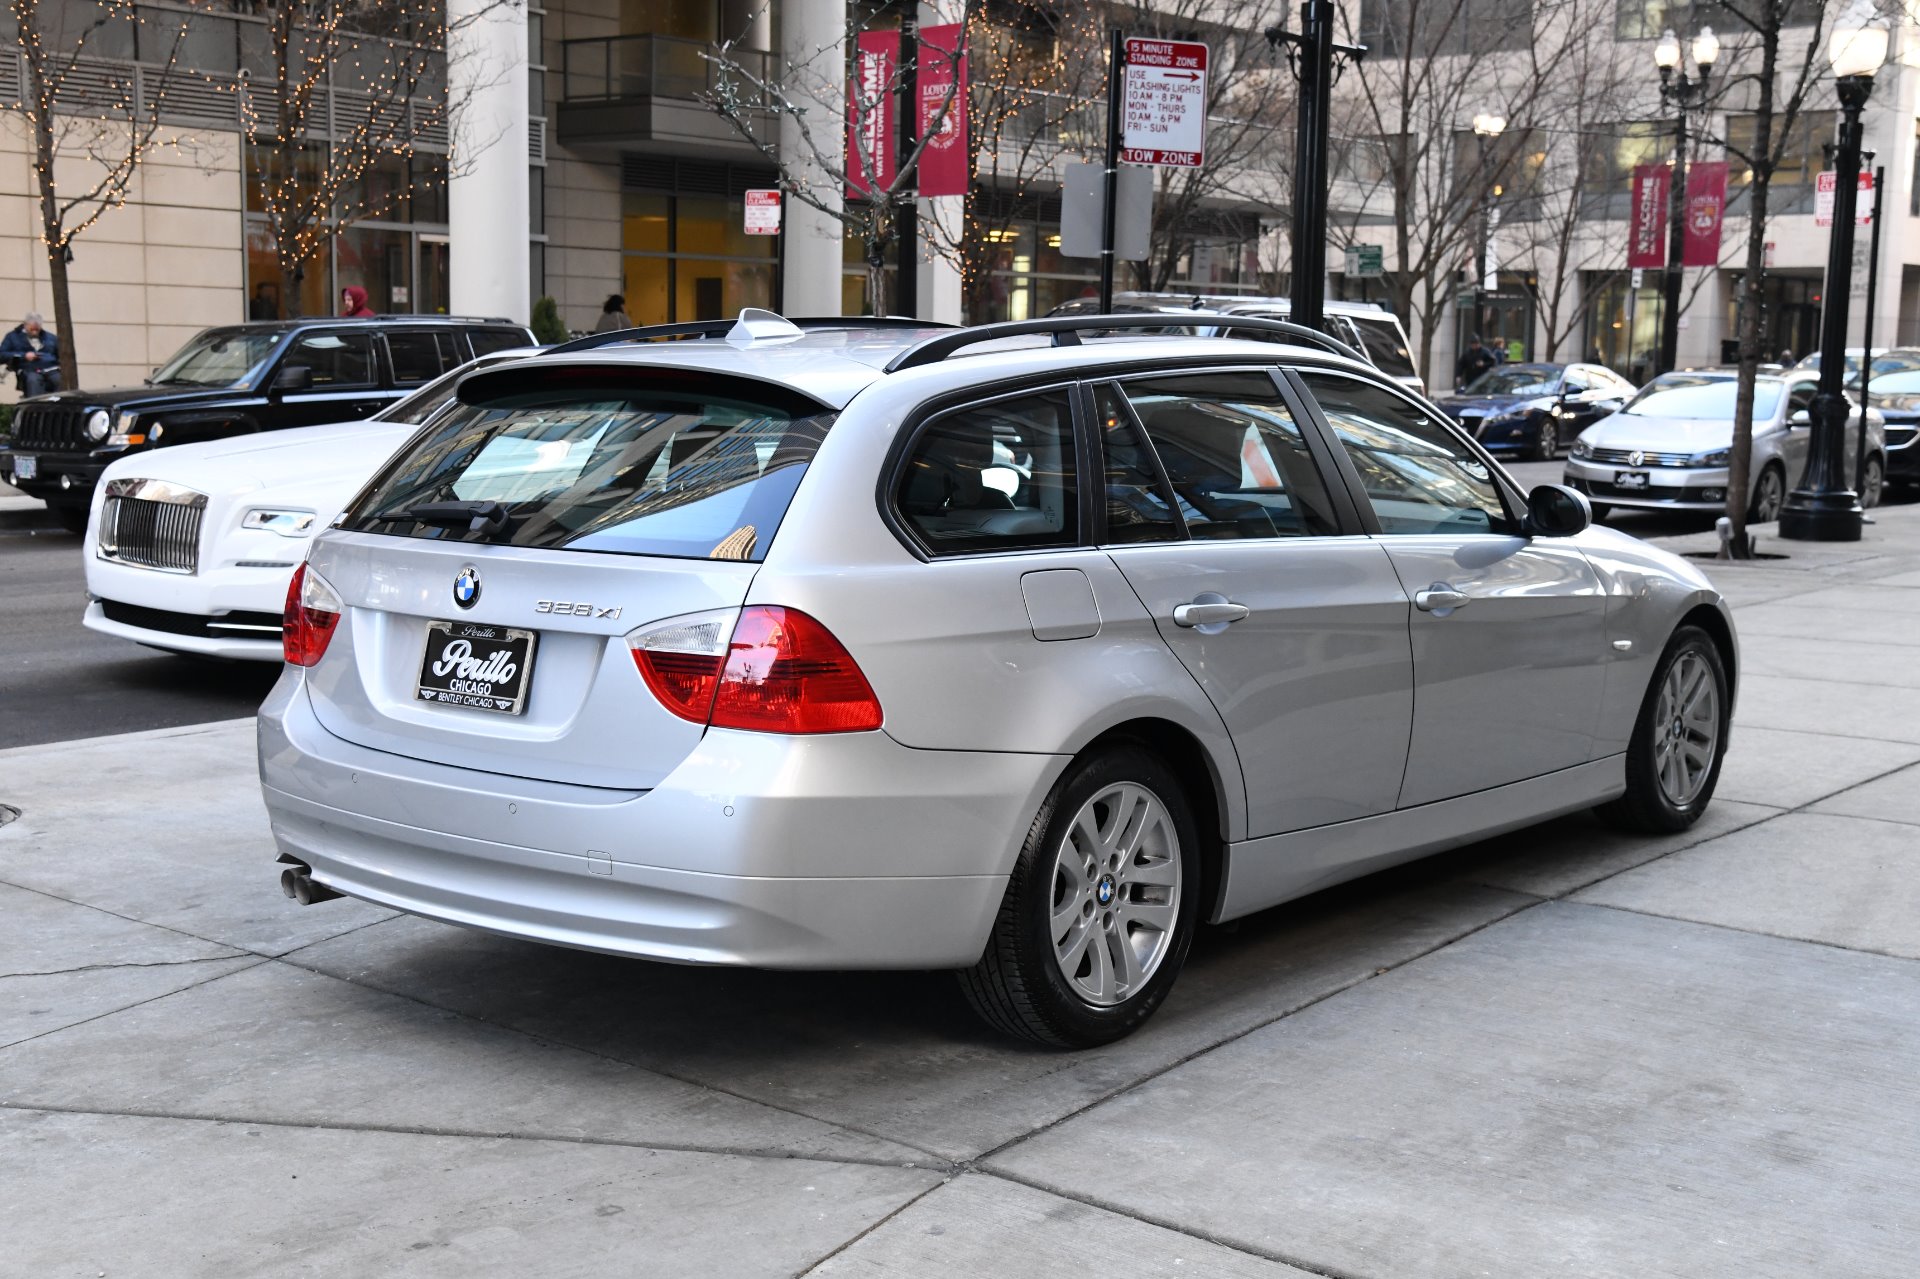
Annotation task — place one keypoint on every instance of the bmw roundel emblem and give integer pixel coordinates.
(1103, 891)
(466, 587)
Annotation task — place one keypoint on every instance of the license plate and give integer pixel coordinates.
(484, 668)
(1630, 479)
(25, 468)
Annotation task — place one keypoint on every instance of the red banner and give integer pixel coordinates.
(941, 74)
(1706, 208)
(1647, 241)
(871, 123)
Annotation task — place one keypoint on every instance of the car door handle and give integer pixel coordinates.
(1439, 597)
(1214, 613)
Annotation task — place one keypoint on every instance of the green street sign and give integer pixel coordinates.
(1366, 261)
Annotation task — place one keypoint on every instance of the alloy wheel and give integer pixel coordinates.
(1549, 447)
(1768, 498)
(1871, 484)
(1686, 729)
(1115, 894)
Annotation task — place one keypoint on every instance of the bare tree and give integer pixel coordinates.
(1433, 65)
(841, 183)
(352, 84)
(1778, 72)
(90, 125)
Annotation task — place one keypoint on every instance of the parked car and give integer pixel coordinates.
(236, 380)
(1669, 448)
(190, 548)
(1368, 328)
(1896, 398)
(920, 648)
(1532, 408)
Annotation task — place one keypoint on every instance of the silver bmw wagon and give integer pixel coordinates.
(1020, 650)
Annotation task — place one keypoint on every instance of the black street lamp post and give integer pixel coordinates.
(1680, 91)
(1311, 51)
(1823, 508)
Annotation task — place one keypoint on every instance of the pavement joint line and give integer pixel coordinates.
(1821, 732)
(872, 1226)
(76, 743)
(1748, 932)
(480, 1134)
(701, 1084)
(95, 968)
(239, 952)
(1166, 1223)
(138, 1003)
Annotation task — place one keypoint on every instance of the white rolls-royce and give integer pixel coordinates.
(190, 548)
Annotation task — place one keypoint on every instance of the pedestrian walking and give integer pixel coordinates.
(613, 315)
(1474, 361)
(353, 303)
(32, 351)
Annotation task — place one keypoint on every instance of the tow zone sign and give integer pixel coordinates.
(1164, 106)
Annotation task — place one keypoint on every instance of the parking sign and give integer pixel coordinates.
(1164, 105)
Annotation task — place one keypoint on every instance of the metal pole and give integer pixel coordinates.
(1116, 64)
(1822, 508)
(1676, 238)
(1866, 334)
(1310, 165)
(906, 290)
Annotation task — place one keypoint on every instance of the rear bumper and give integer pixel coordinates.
(844, 851)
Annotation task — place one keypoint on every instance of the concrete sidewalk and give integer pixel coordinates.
(1562, 1051)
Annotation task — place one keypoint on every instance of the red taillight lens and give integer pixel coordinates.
(786, 673)
(769, 669)
(306, 625)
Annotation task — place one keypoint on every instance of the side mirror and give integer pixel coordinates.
(1554, 510)
(1800, 418)
(292, 377)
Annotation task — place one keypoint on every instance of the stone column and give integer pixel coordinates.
(813, 39)
(487, 189)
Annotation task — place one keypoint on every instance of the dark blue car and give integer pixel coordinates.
(1535, 410)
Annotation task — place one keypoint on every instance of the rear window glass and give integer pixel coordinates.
(666, 473)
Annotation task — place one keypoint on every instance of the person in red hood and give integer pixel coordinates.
(353, 303)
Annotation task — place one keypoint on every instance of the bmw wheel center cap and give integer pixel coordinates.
(466, 587)
(1103, 891)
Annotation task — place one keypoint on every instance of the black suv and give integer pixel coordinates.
(232, 381)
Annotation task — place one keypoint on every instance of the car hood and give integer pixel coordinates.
(1660, 434)
(1485, 405)
(319, 459)
(144, 398)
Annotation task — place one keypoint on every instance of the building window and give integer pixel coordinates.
(1398, 28)
(688, 257)
(1623, 323)
(1801, 158)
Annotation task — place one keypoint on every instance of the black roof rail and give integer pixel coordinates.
(442, 319)
(1066, 330)
(720, 328)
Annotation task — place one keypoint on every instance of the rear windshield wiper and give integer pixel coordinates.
(485, 518)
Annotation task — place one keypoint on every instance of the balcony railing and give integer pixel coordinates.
(613, 68)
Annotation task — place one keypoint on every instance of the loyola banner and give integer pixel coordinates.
(1647, 241)
(871, 126)
(941, 71)
(1706, 209)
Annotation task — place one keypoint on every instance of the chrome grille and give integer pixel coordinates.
(1623, 457)
(50, 426)
(153, 524)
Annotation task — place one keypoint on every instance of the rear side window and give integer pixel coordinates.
(1384, 344)
(420, 356)
(1235, 456)
(337, 359)
(993, 477)
(487, 341)
(669, 472)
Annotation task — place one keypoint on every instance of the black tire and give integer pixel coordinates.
(68, 516)
(1873, 484)
(1769, 495)
(1018, 987)
(1646, 807)
(1546, 445)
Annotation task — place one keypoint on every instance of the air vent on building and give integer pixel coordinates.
(671, 175)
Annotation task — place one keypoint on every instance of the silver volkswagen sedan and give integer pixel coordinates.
(861, 645)
(1669, 448)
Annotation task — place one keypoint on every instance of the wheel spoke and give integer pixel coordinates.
(1086, 834)
(1161, 872)
(1101, 979)
(1069, 912)
(1127, 971)
(1075, 946)
(1136, 814)
(1158, 916)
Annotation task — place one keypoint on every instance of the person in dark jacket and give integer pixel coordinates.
(1474, 361)
(353, 303)
(33, 352)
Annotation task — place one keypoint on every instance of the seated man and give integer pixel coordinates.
(33, 351)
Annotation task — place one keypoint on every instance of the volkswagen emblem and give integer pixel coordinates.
(1636, 457)
(466, 587)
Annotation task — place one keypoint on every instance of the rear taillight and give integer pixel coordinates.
(766, 668)
(313, 610)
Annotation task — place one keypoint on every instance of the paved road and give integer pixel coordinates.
(59, 680)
